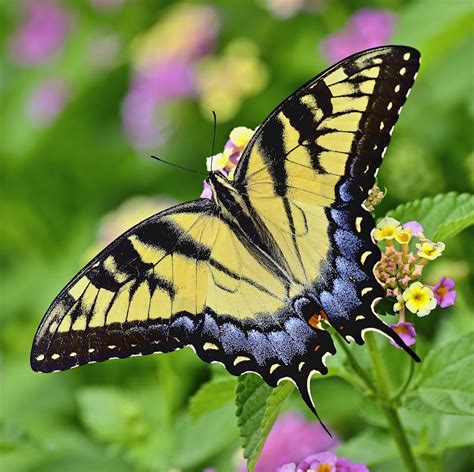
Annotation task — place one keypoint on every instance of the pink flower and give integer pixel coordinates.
(406, 331)
(206, 190)
(366, 29)
(143, 108)
(291, 439)
(444, 293)
(164, 71)
(41, 33)
(47, 101)
(415, 227)
(323, 462)
(236, 152)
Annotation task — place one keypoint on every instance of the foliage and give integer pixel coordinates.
(70, 161)
(258, 406)
(442, 384)
(443, 216)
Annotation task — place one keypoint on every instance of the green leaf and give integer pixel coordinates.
(454, 431)
(212, 395)
(199, 440)
(258, 406)
(445, 384)
(370, 447)
(442, 217)
(111, 415)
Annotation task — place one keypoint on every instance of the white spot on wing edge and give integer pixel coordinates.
(240, 359)
(273, 367)
(210, 346)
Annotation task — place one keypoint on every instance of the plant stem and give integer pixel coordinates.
(390, 411)
(405, 385)
(354, 364)
(400, 437)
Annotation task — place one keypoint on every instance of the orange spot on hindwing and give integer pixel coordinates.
(315, 320)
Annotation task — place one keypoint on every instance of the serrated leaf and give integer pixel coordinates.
(212, 395)
(446, 384)
(442, 217)
(258, 406)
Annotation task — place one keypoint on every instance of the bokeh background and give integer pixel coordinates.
(89, 89)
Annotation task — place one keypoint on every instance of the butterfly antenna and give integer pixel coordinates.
(213, 136)
(178, 166)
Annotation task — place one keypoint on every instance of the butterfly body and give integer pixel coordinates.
(247, 278)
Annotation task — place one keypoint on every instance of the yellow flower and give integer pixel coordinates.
(241, 136)
(403, 236)
(220, 79)
(429, 250)
(399, 303)
(387, 228)
(165, 40)
(219, 161)
(419, 299)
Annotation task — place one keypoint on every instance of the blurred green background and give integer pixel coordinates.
(89, 89)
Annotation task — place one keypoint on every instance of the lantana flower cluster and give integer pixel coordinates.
(324, 462)
(226, 161)
(406, 252)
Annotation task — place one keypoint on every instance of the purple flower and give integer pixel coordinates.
(324, 462)
(206, 190)
(235, 151)
(366, 29)
(444, 293)
(151, 89)
(164, 71)
(47, 101)
(415, 227)
(345, 465)
(41, 33)
(406, 331)
(291, 439)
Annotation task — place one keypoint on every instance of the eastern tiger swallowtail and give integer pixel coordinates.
(246, 278)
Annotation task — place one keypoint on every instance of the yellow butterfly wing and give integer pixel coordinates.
(250, 289)
(308, 170)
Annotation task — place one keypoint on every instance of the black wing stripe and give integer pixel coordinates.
(271, 146)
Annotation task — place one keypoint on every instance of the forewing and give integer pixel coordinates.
(309, 168)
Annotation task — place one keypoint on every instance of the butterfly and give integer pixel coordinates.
(250, 278)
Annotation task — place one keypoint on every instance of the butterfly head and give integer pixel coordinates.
(220, 185)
